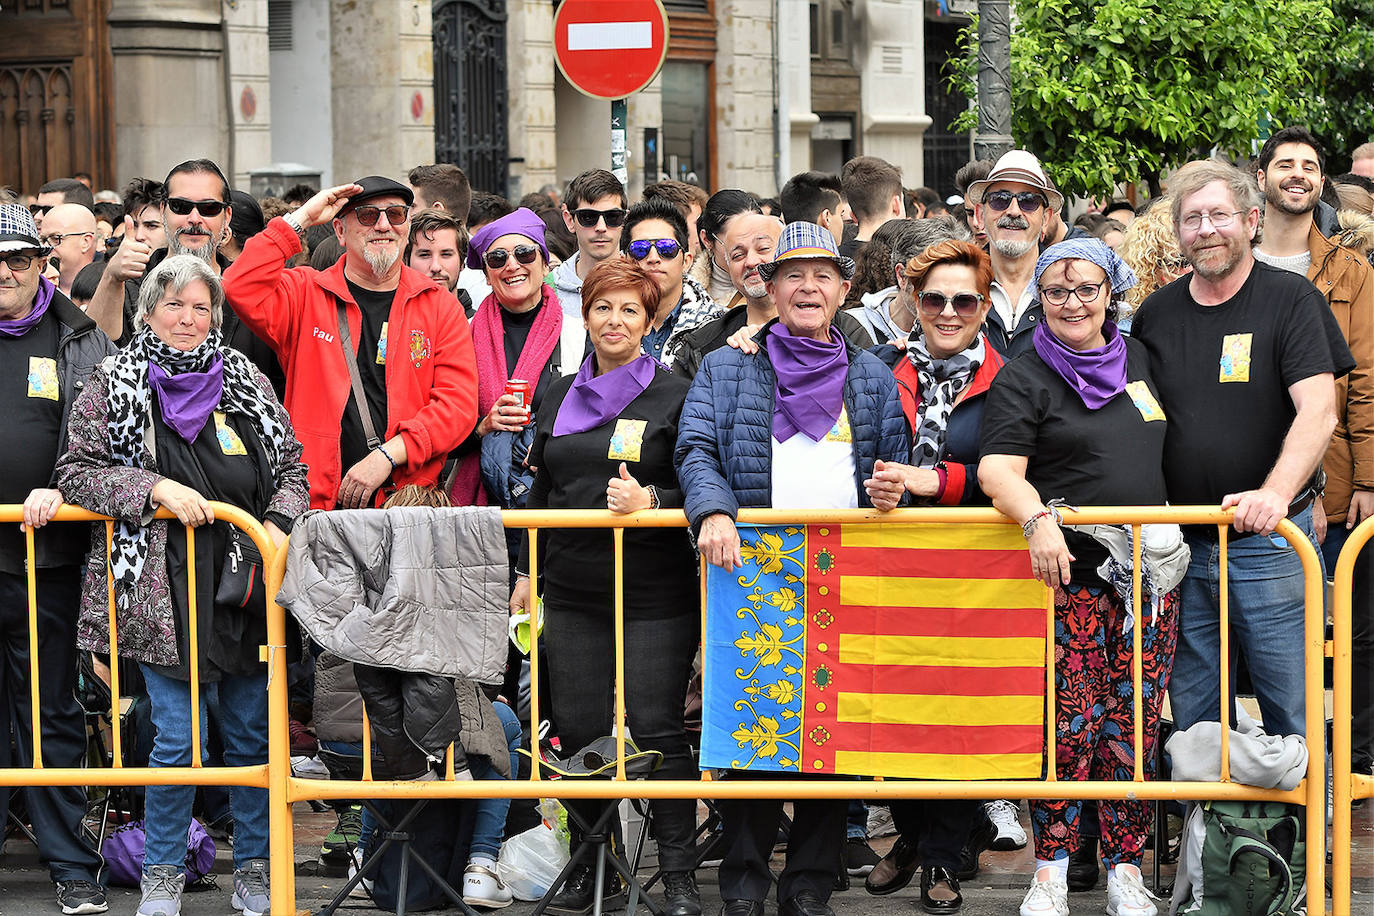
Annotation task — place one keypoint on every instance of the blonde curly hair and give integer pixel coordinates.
(1152, 250)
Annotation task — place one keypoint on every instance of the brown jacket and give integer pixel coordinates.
(1347, 282)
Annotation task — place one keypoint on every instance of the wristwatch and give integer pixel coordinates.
(290, 220)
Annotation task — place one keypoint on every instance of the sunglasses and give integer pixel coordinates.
(39, 210)
(1028, 201)
(932, 304)
(396, 214)
(18, 262)
(524, 254)
(182, 206)
(587, 217)
(667, 248)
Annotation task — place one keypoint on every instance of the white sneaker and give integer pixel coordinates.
(308, 768)
(880, 822)
(364, 887)
(1048, 896)
(483, 887)
(1126, 893)
(1005, 817)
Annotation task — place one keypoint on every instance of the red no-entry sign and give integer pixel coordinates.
(610, 49)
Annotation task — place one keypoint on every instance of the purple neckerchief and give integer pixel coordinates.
(811, 377)
(594, 399)
(188, 399)
(18, 327)
(1098, 375)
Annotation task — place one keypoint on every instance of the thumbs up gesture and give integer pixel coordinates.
(130, 259)
(624, 494)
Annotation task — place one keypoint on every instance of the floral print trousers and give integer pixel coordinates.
(1094, 714)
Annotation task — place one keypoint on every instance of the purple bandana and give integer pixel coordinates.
(811, 377)
(188, 399)
(594, 399)
(1098, 375)
(18, 327)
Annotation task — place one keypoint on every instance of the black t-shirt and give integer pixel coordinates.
(1224, 372)
(31, 396)
(517, 327)
(573, 472)
(375, 307)
(1112, 456)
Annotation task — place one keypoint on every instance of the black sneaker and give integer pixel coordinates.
(1084, 871)
(81, 897)
(859, 857)
(579, 893)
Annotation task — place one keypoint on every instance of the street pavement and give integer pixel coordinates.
(25, 888)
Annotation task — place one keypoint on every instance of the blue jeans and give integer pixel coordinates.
(243, 727)
(1266, 614)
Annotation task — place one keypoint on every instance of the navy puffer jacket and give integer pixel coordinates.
(724, 453)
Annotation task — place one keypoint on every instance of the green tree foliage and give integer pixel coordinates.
(1123, 90)
(1341, 111)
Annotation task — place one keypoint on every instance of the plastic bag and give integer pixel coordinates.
(530, 862)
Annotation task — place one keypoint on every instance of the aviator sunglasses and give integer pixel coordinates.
(932, 304)
(1028, 201)
(667, 248)
(183, 206)
(524, 254)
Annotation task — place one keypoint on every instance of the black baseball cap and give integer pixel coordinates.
(374, 186)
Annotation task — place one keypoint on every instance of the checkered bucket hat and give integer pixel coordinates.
(806, 240)
(18, 231)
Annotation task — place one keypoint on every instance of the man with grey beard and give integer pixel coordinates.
(1011, 206)
(374, 349)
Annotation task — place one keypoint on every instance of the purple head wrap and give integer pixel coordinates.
(521, 222)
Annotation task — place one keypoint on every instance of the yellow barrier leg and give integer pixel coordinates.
(35, 710)
(282, 845)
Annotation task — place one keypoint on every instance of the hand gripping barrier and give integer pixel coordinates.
(286, 789)
(1347, 786)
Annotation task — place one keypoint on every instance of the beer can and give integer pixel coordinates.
(519, 387)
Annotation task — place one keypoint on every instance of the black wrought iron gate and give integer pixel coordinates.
(470, 97)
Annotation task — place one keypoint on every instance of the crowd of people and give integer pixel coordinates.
(851, 343)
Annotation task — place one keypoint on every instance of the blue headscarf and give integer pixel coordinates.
(1119, 273)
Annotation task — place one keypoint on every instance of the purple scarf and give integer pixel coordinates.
(811, 377)
(1098, 375)
(594, 399)
(18, 327)
(188, 399)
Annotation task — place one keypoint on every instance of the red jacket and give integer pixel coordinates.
(431, 373)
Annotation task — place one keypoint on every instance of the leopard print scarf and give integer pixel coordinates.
(129, 410)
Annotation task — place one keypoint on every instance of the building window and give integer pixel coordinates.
(815, 28)
(686, 122)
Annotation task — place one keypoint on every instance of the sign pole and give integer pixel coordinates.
(618, 141)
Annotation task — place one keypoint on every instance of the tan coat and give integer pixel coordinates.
(1347, 282)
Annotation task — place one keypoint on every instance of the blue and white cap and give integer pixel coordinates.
(806, 240)
(18, 231)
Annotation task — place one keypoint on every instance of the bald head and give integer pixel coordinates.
(749, 240)
(70, 230)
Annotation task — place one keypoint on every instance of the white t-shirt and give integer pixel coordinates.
(815, 475)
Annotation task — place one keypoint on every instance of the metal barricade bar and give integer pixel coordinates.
(1310, 793)
(1346, 786)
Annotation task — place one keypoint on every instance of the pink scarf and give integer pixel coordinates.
(489, 344)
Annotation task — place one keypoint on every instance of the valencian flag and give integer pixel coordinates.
(881, 650)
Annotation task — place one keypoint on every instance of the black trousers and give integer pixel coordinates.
(1362, 663)
(938, 826)
(580, 649)
(55, 812)
(814, 846)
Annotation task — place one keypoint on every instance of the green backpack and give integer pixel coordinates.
(1254, 859)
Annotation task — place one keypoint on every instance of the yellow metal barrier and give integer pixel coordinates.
(1347, 786)
(286, 789)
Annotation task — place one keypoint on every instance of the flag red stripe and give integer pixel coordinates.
(935, 739)
(930, 680)
(939, 621)
(933, 563)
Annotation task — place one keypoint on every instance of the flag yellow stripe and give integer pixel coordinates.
(934, 537)
(932, 651)
(922, 709)
(911, 591)
(939, 766)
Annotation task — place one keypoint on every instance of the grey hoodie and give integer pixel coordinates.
(875, 315)
(568, 285)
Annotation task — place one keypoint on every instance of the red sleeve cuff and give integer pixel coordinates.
(953, 490)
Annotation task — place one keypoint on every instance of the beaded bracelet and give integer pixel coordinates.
(387, 456)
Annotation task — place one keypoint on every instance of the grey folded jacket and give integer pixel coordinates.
(415, 589)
